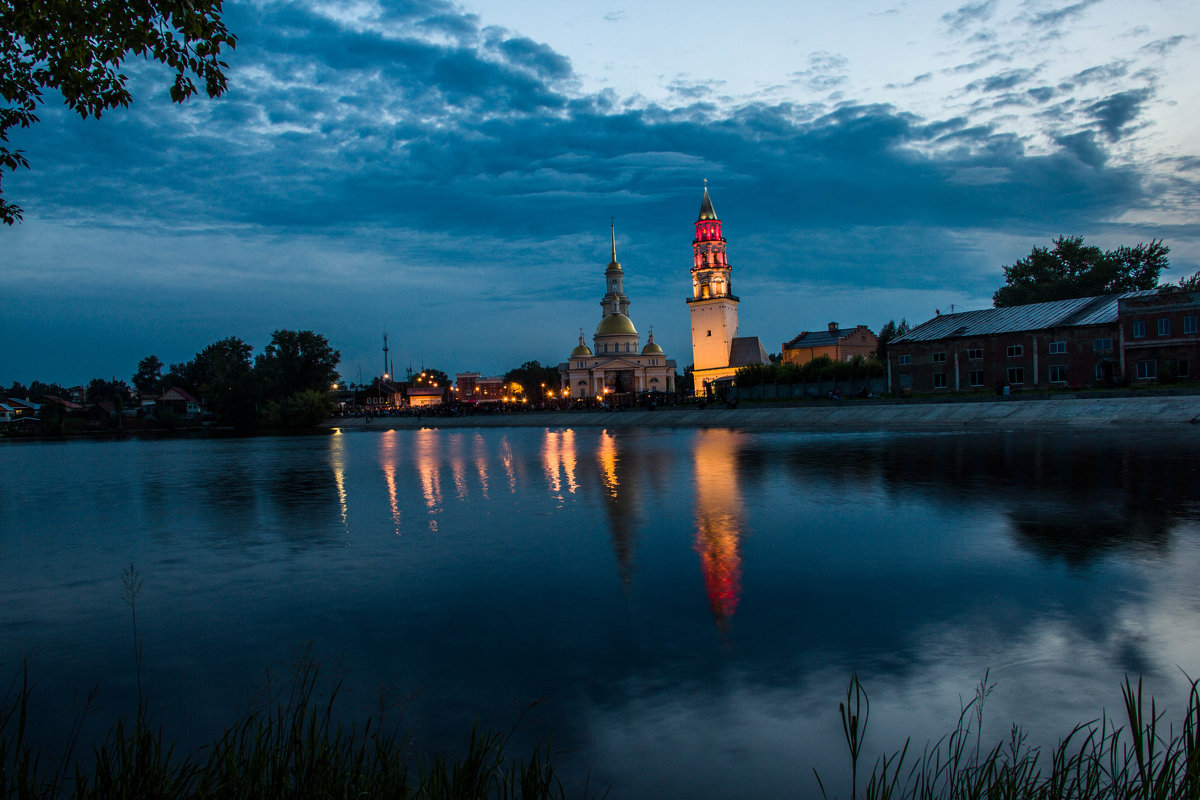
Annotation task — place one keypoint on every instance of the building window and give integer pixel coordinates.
(1164, 327)
(1015, 351)
(1189, 324)
(939, 358)
(1147, 369)
(903, 361)
(975, 354)
(1102, 370)
(1139, 329)
(1057, 348)
(1016, 375)
(975, 377)
(1102, 345)
(1178, 368)
(710, 333)
(1058, 373)
(939, 380)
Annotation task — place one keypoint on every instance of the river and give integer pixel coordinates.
(680, 609)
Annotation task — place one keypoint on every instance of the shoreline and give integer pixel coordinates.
(1075, 412)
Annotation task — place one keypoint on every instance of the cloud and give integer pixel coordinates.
(1060, 15)
(1001, 81)
(1161, 47)
(1117, 111)
(825, 71)
(969, 14)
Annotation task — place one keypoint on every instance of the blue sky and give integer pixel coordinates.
(446, 173)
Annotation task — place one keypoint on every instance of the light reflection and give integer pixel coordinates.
(506, 458)
(719, 520)
(428, 462)
(559, 458)
(458, 466)
(606, 454)
(481, 456)
(387, 456)
(337, 460)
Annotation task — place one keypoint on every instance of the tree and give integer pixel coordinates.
(102, 391)
(1073, 269)
(430, 377)
(296, 361)
(533, 379)
(78, 47)
(887, 333)
(221, 375)
(148, 377)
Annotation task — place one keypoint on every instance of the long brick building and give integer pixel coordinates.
(1137, 337)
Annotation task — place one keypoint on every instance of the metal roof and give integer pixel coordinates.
(819, 338)
(1075, 312)
(746, 350)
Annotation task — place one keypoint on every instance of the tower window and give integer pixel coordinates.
(710, 333)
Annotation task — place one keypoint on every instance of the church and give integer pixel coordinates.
(717, 350)
(616, 363)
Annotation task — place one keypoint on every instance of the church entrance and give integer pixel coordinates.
(620, 381)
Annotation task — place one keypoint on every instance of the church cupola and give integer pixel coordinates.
(615, 301)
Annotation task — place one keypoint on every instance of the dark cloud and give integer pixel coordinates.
(1083, 146)
(1115, 112)
(1099, 74)
(1060, 15)
(1041, 94)
(1161, 47)
(969, 14)
(1002, 81)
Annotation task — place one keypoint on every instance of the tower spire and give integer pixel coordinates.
(706, 207)
(613, 224)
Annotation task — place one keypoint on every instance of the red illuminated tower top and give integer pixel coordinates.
(710, 270)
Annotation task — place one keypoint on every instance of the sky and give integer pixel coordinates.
(446, 173)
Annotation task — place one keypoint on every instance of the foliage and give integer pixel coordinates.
(887, 333)
(149, 377)
(430, 377)
(52, 415)
(289, 744)
(530, 376)
(296, 361)
(77, 49)
(1094, 761)
(100, 390)
(1073, 269)
(38, 389)
(301, 410)
(17, 389)
(222, 376)
(822, 368)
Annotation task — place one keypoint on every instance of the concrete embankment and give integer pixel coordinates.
(851, 415)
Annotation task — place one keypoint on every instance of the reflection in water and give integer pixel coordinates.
(719, 519)
(620, 477)
(558, 455)
(428, 458)
(337, 460)
(458, 466)
(387, 457)
(481, 464)
(506, 458)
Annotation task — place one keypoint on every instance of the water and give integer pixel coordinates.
(681, 609)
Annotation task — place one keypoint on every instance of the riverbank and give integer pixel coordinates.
(850, 415)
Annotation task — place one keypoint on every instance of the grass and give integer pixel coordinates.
(1147, 759)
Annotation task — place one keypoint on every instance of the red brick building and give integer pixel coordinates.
(1136, 337)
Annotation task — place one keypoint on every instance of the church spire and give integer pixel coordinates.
(706, 207)
(614, 264)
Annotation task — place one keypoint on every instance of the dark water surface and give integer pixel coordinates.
(686, 605)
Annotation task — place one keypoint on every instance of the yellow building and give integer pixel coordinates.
(839, 344)
(617, 365)
(717, 350)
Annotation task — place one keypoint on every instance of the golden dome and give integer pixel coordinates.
(652, 349)
(616, 325)
(581, 351)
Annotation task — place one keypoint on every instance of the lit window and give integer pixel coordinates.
(975, 354)
(1016, 375)
(1164, 327)
(1189, 324)
(975, 377)
(1147, 370)
(939, 358)
(1102, 345)
(939, 380)
(904, 361)
(1139, 329)
(1015, 351)
(1058, 347)
(1058, 373)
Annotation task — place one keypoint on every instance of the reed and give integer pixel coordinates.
(1146, 759)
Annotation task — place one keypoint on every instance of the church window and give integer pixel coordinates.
(710, 333)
